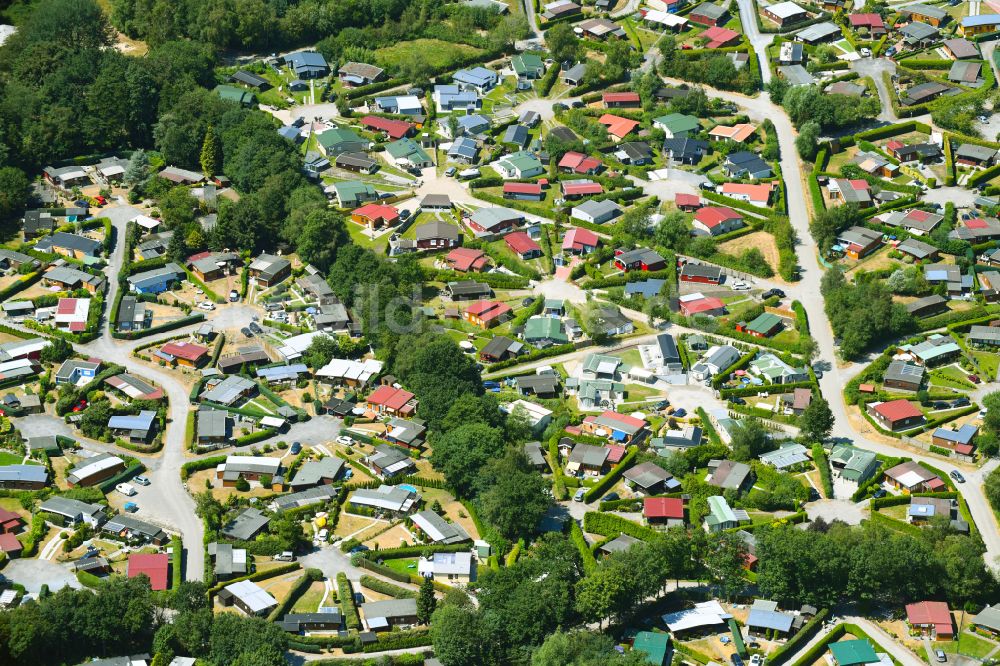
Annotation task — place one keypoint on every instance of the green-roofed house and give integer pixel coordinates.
(853, 653)
(656, 646)
(238, 95)
(723, 517)
(528, 66)
(521, 164)
(406, 152)
(775, 371)
(764, 326)
(353, 193)
(677, 125)
(554, 307)
(544, 332)
(339, 140)
(853, 464)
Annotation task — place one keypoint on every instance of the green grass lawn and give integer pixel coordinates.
(630, 357)
(309, 601)
(359, 238)
(967, 644)
(638, 392)
(440, 55)
(951, 376)
(404, 565)
(988, 363)
(8, 458)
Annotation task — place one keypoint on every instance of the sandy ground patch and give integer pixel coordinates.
(348, 523)
(761, 240)
(394, 538)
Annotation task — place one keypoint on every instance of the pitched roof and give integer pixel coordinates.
(618, 126)
(154, 565)
(713, 216)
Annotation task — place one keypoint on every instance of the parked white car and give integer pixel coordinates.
(206, 305)
(345, 440)
(125, 489)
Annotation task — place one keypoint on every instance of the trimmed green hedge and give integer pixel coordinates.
(188, 468)
(803, 636)
(586, 555)
(384, 587)
(611, 477)
(823, 465)
(301, 584)
(347, 607)
(607, 524)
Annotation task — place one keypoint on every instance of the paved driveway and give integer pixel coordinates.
(35, 573)
(830, 510)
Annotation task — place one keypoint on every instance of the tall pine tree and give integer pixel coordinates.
(211, 153)
(426, 601)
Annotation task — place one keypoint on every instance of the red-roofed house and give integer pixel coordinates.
(154, 565)
(375, 216)
(10, 521)
(580, 241)
(719, 37)
(687, 202)
(486, 314)
(717, 220)
(896, 414)
(871, 22)
(9, 545)
(574, 162)
(395, 129)
(71, 314)
(667, 511)
(757, 194)
(615, 453)
(931, 618)
(522, 245)
(620, 99)
(706, 305)
(183, 353)
(523, 191)
(392, 400)
(580, 188)
(466, 259)
(618, 127)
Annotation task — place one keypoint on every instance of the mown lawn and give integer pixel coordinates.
(438, 54)
(988, 362)
(967, 644)
(8, 458)
(951, 376)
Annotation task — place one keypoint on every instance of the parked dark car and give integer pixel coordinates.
(612, 497)
(246, 332)
(296, 448)
(770, 293)
(879, 493)
(955, 474)
(255, 327)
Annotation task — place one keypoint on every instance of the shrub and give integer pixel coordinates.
(347, 606)
(607, 524)
(383, 587)
(611, 477)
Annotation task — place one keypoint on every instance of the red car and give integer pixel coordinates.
(80, 406)
(974, 379)
(100, 201)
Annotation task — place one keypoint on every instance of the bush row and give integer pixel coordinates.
(607, 524)
(384, 587)
(611, 478)
(347, 607)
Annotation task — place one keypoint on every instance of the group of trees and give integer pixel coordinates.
(809, 104)
(521, 605)
(713, 69)
(828, 564)
(862, 312)
(122, 616)
(255, 23)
